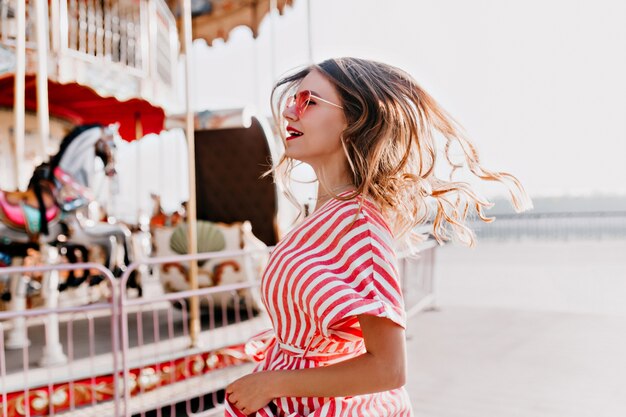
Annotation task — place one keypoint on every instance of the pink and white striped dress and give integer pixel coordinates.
(338, 264)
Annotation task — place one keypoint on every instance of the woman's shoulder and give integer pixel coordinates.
(344, 205)
(360, 209)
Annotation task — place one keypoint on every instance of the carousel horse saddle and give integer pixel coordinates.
(70, 195)
(20, 210)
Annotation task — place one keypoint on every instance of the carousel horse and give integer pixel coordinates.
(58, 195)
(58, 186)
(51, 208)
(160, 218)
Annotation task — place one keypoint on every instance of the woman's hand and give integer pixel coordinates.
(251, 392)
(381, 368)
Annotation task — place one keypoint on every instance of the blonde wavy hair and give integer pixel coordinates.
(391, 151)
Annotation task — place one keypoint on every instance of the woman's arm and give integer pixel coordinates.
(381, 368)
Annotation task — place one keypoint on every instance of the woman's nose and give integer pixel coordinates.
(289, 112)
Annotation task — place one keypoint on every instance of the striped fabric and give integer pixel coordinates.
(337, 264)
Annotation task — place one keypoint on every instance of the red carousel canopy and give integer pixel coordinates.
(81, 105)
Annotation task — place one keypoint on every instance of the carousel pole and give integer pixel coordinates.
(139, 168)
(17, 337)
(192, 243)
(52, 353)
(19, 89)
(273, 11)
(309, 30)
(43, 114)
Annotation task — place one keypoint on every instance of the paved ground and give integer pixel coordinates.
(471, 362)
(584, 276)
(525, 329)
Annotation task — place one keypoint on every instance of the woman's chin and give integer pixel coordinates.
(292, 153)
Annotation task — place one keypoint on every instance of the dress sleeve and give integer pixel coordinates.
(371, 287)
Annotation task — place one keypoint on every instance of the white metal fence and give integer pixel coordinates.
(125, 356)
(44, 368)
(555, 226)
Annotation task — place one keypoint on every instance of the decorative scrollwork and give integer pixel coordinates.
(102, 388)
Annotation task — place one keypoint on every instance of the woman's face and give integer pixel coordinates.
(314, 136)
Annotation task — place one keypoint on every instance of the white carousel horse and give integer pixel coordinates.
(58, 195)
(52, 206)
(56, 187)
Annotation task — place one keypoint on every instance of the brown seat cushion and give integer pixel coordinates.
(229, 164)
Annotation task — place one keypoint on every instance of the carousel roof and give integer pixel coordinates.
(214, 19)
(79, 104)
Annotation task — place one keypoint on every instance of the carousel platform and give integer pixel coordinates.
(181, 392)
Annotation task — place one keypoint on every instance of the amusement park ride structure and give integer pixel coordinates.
(78, 62)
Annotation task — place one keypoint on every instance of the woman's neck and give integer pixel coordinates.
(324, 194)
(332, 178)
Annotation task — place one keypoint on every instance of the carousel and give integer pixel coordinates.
(79, 332)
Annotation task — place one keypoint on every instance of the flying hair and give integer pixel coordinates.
(391, 150)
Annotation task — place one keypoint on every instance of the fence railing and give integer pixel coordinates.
(110, 30)
(555, 225)
(62, 341)
(418, 279)
(230, 315)
(126, 356)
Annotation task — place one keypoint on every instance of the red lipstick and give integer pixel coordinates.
(293, 133)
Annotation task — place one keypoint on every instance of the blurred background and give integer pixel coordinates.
(531, 321)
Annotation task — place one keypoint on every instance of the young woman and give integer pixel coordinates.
(331, 286)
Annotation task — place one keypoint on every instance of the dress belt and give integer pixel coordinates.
(293, 350)
(306, 353)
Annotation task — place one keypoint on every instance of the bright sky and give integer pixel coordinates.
(539, 85)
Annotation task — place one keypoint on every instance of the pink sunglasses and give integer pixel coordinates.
(302, 100)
